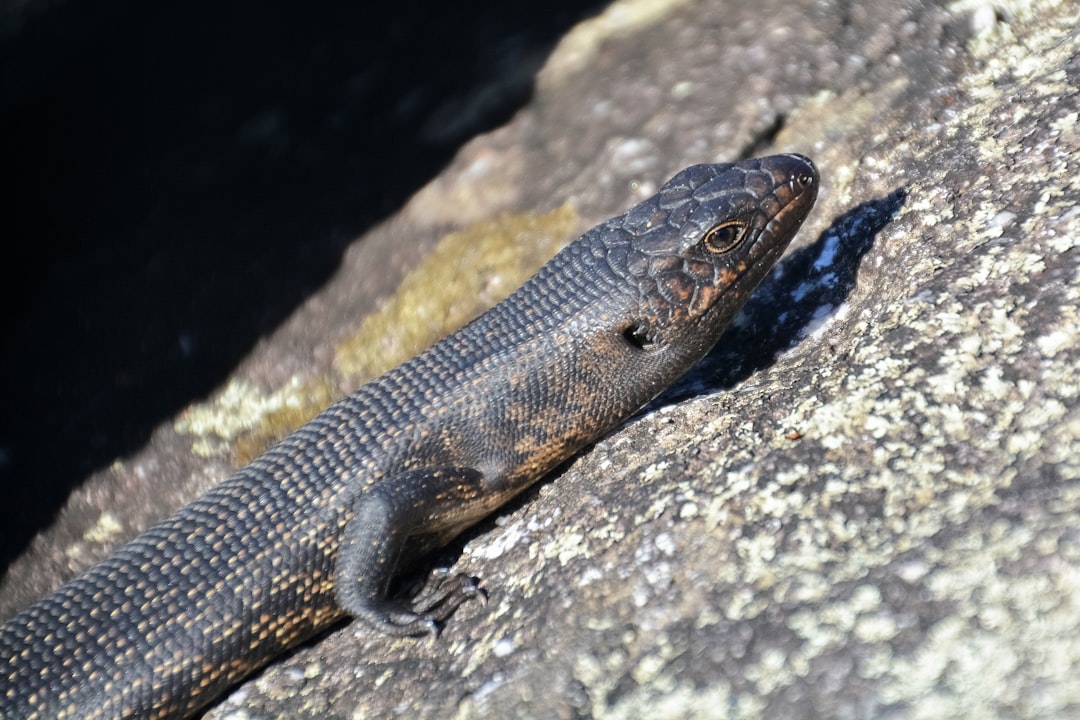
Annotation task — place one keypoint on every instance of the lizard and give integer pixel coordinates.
(319, 527)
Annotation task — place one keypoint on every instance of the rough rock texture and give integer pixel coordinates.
(865, 503)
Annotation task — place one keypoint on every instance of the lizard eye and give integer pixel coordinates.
(721, 238)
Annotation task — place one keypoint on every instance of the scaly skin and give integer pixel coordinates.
(317, 528)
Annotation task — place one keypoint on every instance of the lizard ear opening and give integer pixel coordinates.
(637, 335)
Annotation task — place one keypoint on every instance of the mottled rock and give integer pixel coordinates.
(865, 502)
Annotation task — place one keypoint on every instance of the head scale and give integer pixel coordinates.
(698, 248)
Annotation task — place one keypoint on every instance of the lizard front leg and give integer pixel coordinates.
(387, 517)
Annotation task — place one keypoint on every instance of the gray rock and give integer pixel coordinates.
(865, 502)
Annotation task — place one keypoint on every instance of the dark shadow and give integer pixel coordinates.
(185, 174)
(813, 281)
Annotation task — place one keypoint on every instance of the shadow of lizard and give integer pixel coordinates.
(803, 291)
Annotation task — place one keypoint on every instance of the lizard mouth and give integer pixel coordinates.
(796, 193)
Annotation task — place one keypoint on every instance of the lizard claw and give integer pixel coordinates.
(444, 592)
(437, 599)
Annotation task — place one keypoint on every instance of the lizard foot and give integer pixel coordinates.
(443, 592)
(436, 599)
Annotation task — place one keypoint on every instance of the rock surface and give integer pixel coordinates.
(865, 502)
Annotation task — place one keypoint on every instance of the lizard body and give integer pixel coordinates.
(318, 527)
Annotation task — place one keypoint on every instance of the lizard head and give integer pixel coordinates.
(698, 248)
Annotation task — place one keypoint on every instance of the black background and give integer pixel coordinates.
(180, 176)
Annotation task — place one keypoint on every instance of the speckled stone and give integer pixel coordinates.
(866, 501)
